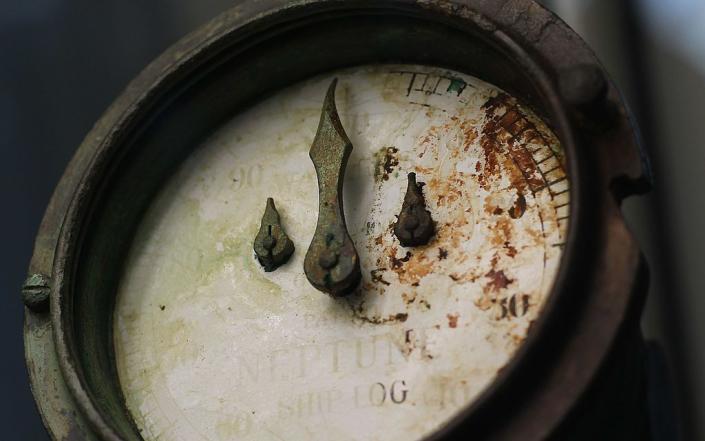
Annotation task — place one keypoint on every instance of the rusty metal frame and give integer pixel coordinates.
(585, 347)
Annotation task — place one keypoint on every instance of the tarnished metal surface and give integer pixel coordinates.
(63, 420)
(414, 226)
(430, 326)
(331, 264)
(591, 311)
(272, 246)
(35, 292)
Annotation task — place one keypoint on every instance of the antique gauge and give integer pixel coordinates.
(348, 220)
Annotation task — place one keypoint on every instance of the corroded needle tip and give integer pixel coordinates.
(414, 226)
(329, 102)
(332, 264)
(331, 139)
(272, 246)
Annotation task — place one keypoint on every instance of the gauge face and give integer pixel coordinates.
(209, 346)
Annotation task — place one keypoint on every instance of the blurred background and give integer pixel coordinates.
(63, 61)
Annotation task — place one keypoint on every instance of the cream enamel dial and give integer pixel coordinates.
(209, 346)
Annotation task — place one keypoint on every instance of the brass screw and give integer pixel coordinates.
(35, 292)
(328, 259)
(269, 242)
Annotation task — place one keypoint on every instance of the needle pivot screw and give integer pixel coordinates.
(328, 259)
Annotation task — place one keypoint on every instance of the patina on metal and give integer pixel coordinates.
(415, 226)
(272, 246)
(573, 361)
(584, 87)
(35, 292)
(332, 264)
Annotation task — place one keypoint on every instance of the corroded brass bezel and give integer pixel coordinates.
(587, 341)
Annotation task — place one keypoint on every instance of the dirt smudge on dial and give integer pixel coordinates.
(517, 210)
(410, 268)
(397, 262)
(386, 159)
(510, 249)
(503, 131)
(378, 276)
(452, 320)
(448, 189)
(409, 298)
(482, 188)
(358, 308)
(497, 280)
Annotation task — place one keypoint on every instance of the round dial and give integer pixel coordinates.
(211, 345)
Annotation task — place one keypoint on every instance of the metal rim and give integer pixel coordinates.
(198, 48)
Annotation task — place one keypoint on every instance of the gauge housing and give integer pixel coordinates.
(583, 351)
